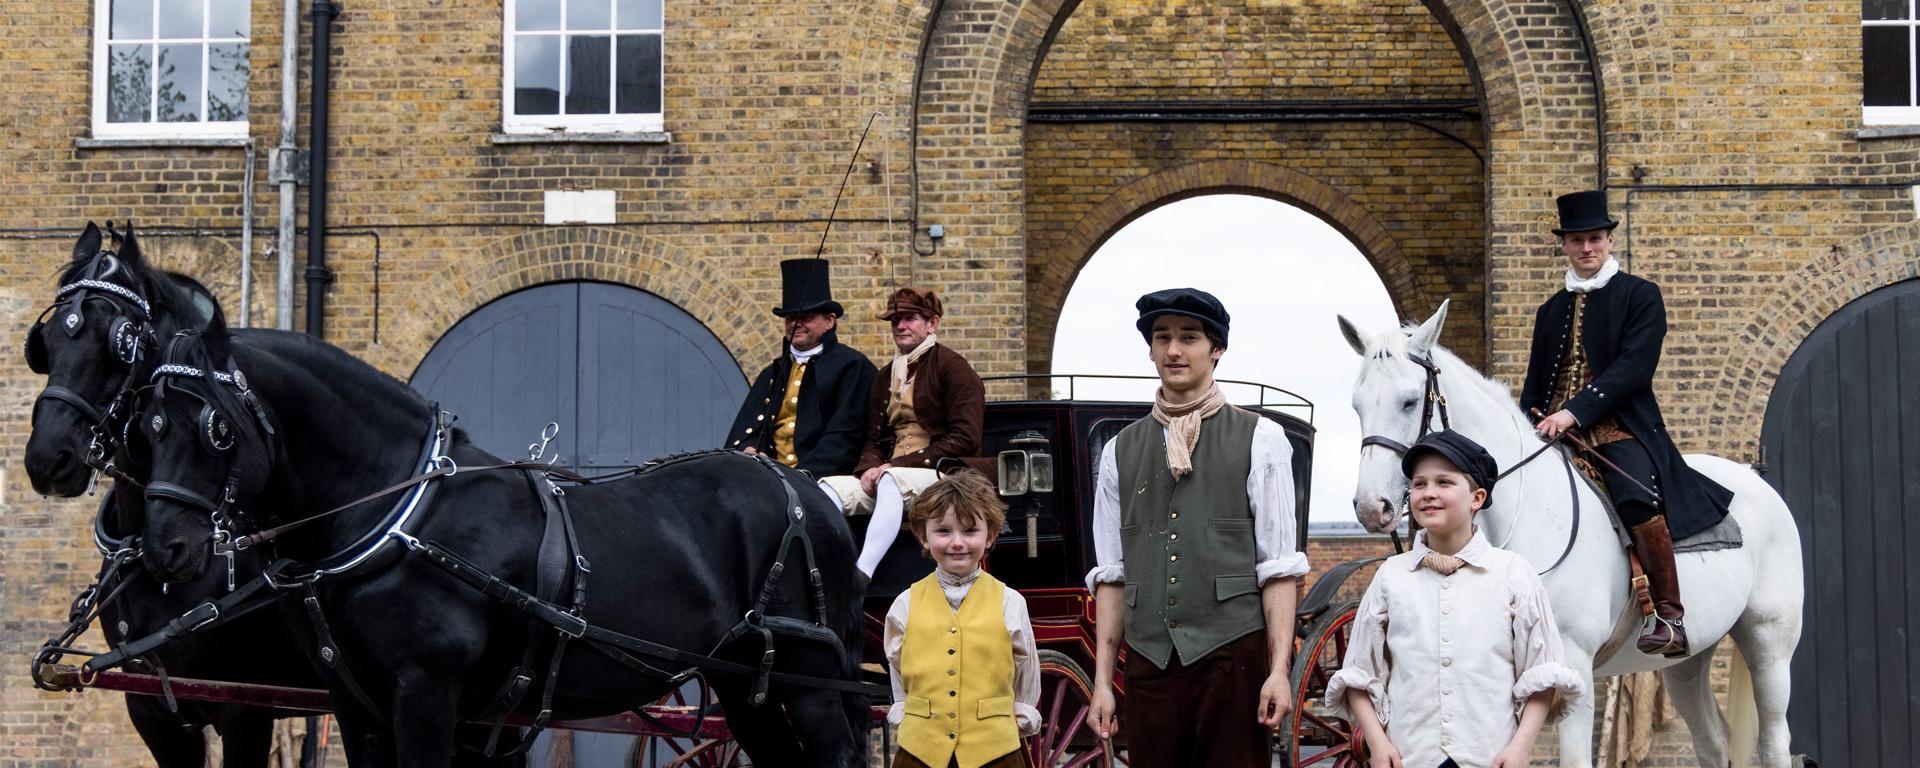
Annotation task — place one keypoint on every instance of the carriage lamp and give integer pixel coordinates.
(1027, 470)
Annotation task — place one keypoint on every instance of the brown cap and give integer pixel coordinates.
(916, 300)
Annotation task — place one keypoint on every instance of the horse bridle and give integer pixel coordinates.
(130, 336)
(1435, 401)
(217, 436)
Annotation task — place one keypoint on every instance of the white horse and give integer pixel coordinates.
(1753, 592)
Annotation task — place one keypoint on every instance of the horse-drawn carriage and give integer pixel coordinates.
(114, 331)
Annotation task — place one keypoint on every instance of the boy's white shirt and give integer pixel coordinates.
(1026, 661)
(1269, 494)
(1449, 661)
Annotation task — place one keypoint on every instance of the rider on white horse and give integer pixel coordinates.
(1595, 347)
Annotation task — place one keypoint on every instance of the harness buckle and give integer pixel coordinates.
(570, 625)
(580, 564)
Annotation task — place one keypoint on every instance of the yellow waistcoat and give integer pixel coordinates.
(957, 668)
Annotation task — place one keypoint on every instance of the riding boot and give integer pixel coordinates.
(1664, 633)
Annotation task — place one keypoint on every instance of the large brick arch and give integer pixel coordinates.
(978, 78)
(1057, 269)
(566, 254)
(1794, 306)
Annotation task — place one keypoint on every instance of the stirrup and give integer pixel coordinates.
(1672, 649)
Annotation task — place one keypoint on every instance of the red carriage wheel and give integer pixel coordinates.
(1066, 738)
(655, 751)
(1312, 735)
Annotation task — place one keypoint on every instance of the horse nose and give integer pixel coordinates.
(43, 469)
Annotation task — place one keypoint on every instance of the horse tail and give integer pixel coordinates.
(1743, 718)
(853, 637)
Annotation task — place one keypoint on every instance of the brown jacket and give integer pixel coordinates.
(948, 400)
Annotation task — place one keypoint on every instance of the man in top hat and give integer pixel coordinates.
(924, 406)
(805, 409)
(1197, 558)
(1596, 345)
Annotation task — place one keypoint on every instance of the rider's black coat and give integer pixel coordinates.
(832, 416)
(1623, 327)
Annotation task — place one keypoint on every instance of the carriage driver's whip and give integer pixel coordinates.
(1589, 450)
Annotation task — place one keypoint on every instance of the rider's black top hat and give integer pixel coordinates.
(804, 289)
(1583, 211)
(1186, 302)
(1462, 452)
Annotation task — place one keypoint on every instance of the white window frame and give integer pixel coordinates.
(632, 122)
(1908, 115)
(200, 129)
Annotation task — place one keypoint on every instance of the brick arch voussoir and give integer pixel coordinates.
(1796, 306)
(574, 254)
(1060, 263)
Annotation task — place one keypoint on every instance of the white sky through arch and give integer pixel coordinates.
(1283, 275)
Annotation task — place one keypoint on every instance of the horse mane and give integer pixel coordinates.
(1387, 346)
(309, 352)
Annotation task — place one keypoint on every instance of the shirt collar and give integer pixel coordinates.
(951, 581)
(1474, 553)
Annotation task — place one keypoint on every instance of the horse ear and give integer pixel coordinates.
(1428, 334)
(88, 244)
(1352, 335)
(130, 248)
(215, 338)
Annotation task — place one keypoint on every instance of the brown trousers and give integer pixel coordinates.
(1014, 759)
(1198, 714)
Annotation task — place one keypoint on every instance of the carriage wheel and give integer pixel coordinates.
(1312, 735)
(1066, 738)
(650, 751)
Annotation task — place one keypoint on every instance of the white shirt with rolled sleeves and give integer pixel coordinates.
(1269, 494)
(1448, 661)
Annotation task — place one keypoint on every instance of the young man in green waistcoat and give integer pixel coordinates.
(1194, 536)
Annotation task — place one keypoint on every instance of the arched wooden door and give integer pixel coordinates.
(1842, 443)
(626, 374)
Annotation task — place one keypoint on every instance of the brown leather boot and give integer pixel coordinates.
(1663, 633)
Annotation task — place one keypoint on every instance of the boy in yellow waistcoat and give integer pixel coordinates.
(966, 681)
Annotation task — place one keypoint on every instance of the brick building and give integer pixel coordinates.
(1753, 185)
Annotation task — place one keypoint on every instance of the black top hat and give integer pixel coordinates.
(804, 289)
(1186, 302)
(1460, 451)
(1583, 211)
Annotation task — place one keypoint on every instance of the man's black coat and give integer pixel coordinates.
(832, 416)
(1624, 325)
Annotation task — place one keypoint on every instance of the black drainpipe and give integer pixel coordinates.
(318, 276)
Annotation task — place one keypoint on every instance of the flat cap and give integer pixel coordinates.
(1186, 302)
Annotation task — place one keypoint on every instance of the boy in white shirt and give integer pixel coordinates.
(1454, 656)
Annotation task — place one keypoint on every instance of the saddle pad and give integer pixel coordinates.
(1723, 535)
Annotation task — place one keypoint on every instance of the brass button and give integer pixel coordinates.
(953, 715)
(953, 736)
(1173, 625)
(1175, 515)
(1173, 537)
(1173, 579)
(1172, 601)
(749, 430)
(1173, 558)
(951, 651)
(951, 673)
(952, 629)
(761, 417)
(953, 693)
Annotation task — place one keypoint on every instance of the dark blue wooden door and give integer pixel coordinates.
(1840, 442)
(627, 375)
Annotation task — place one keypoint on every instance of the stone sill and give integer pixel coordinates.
(162, 143)
(1888, 132)
(562, 137)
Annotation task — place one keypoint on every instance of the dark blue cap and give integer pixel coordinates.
(1186, 302)
(1463, 453)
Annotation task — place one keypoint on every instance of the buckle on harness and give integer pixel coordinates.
(570, 625)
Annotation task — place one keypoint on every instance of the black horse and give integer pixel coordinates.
(120, 307)
(678, 555)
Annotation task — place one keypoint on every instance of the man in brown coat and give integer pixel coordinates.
(924, 406)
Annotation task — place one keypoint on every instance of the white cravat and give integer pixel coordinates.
(1599, 279)
(802, 356)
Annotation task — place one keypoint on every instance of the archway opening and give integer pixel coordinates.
(1283, 274)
